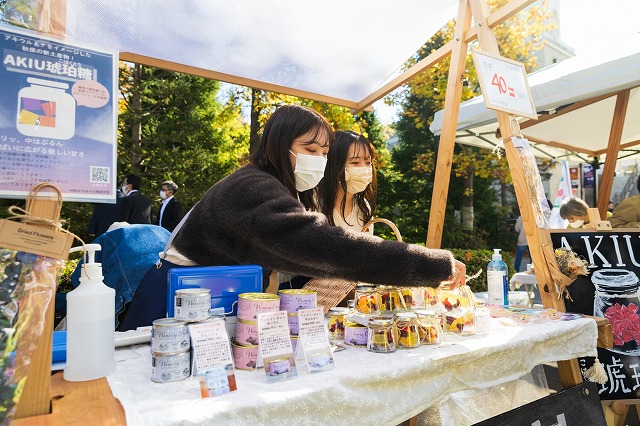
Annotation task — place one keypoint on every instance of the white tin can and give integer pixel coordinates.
(192, 304)
(169, 335)
(170, 367)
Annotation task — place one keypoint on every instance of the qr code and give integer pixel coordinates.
(100, 174)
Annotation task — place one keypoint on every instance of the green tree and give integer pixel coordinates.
(171, 126)
(262, 103)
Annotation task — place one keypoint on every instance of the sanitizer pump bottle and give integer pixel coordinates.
(497, 282)
(90, 323)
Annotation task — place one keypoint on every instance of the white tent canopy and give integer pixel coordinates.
(578, 135)
(340, 49)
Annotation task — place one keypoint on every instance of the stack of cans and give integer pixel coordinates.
(170, 341)
(245, 345)
(292, 300)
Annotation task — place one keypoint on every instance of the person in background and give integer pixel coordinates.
(170, 210)
(610, 207)
(135, 207)
(627, 213)
(263, 213)
(576, 212)
(348, 189)
(103, 216)
(521, 245)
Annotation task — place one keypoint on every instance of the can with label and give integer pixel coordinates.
(169, 335)
(294, 325)
(246, 357)
(192, 304)
(247, 333)
(170, 366)
(292, 300)
(252, 304)
(355, 334)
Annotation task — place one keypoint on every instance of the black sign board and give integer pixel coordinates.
(579, 406)
(611, 290)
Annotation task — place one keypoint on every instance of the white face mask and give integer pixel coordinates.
(163, 195)
(309, 170)
(576, 223)
(123, 189)
(357, 178)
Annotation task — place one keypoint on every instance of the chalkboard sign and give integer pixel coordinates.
(611, 290)
(579, 406)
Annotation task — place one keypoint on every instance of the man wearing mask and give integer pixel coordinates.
(135, 207)
(170, 210)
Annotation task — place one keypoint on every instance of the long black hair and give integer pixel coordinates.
(285, 125)
(334, 176)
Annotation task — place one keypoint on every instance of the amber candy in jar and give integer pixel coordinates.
(367, 300)
(458, 304)
(336, 322)
(380, 336)
(429, 326)
(408, 333)
(389, 298)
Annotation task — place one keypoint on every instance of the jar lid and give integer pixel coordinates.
(380, 322)
(427, 313)
(338, 311)
(405, 315)
(387, 287)
(365, 287)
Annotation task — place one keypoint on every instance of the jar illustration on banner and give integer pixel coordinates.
(616, 298)
(46, 110)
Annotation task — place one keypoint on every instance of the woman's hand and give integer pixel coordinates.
(458, 277)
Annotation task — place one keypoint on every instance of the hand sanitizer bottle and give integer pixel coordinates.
(90, 323)
(497, 282)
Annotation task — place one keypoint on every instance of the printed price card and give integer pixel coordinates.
(275, 346)
(504, 84)
(213, 364)
(314, 339)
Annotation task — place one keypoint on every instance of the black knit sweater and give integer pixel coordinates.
(251, 218)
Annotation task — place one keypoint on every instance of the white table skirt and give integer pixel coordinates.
(364, 388)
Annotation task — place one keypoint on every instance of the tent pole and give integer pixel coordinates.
(450, 123)
(615, 137)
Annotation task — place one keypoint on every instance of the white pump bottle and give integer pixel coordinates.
(90, 323)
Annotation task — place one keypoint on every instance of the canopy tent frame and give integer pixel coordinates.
(52, 14)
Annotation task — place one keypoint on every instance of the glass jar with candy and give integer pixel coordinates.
(407, 326)
(367, 300)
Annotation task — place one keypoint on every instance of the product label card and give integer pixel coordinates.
(275, 346)
(213, 364)
(313, 339)
(40, 240)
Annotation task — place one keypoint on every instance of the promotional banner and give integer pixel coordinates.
(58, 117)
(611, 290)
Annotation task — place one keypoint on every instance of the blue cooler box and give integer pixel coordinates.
(225, 283)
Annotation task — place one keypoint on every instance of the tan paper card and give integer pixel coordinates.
(35, 239)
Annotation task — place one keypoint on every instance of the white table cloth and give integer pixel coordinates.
(364, 388)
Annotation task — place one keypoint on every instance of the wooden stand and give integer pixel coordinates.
(35, 398)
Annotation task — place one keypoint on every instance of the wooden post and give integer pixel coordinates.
(36, 396)
(489, 44)
(450, 123)
(615, 136)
